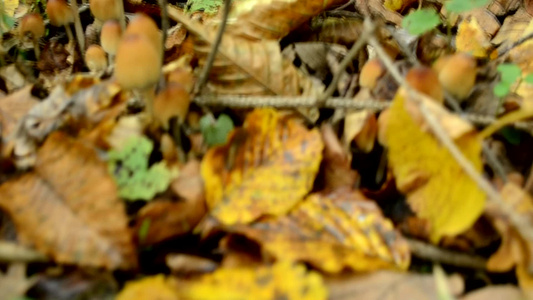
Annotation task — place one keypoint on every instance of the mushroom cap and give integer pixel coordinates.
(426, 81)
(370, 73)
(138, 63)
(143, 25)
(457, 74)
(59, 12)
(95, 58)
(105, 10)
(32, 23)
(173, 101)
(110, 36)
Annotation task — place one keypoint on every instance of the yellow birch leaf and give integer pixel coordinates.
(436, 186)
(332, 232)
(472, 39)
(283, 280)
(149, 288)
(266, 167)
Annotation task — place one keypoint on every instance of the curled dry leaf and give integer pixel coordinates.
(258, 20)
(283, 280)
(332, 232)
(166, 218)
(60, 211)
(265, 168)
(436, 186)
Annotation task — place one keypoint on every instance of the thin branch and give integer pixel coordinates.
(202, 79)
(360, 43)
(439, 255)
(12, 252)
(164, 25)
(497, 207)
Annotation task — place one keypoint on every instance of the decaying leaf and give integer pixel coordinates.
(265, 168)
(150, 288)
(332, 232)
(59, 207)
(436, 186)
(247, 67)
(472, 39)
(258, 20)
(283, 280)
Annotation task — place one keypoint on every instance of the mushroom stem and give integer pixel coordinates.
(36, 49)
(122, 19)
(69, 33)
(77, 26)
(148, 95)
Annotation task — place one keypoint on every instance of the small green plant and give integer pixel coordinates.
(461, 6)
(135, 179)
(509, 74)
(207, 6)
(421, 21)
(216, 132)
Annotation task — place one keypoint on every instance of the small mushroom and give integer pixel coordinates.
(370, 73)
(426, 81)
(457, 74)
(61, 14)
(105, 10)
(143, 25)
(138, 67)
(110, 38)
(96, 59)
(32, 24)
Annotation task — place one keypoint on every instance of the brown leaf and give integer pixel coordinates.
(495, 292)
(13, 108)
(274, 19)
(68, 207)
(388, 285)
(246, 67)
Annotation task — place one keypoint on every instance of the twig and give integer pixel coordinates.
(12, 252)
(164, 25)
(439, 255)
(496, 207)
(202, 79)
(360, 43)
(516, 44)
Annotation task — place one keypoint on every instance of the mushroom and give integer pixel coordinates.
(426, 81)
(61, 14)
(138, 67)
(144, 25)
(96, 59)
(110, 38)
(105, 10)
(33, 25)
(457, 74)
(370, 73)
(172, 101)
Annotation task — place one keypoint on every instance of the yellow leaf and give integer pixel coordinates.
(149, 288)
(10, 6)
(331, 232)
(266, 167)
(283, 280)
(436, 186)
(472, 39)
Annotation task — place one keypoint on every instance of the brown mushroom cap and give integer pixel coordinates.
(457, 74)
(426, 81)
(59, 12)
(138, 63)
(110, 36)
(95, 58)
(143, 25)
(32, 23)
(105, 10)
(370, 73)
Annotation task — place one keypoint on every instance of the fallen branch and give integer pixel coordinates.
(439, 255)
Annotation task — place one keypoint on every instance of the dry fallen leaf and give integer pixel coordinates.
(472, 39)
(436, 186)
(495, 292)
(265, 168)
(59, 207)
(332, 232)
(13, 108)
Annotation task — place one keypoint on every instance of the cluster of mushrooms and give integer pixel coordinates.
(135, 50)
